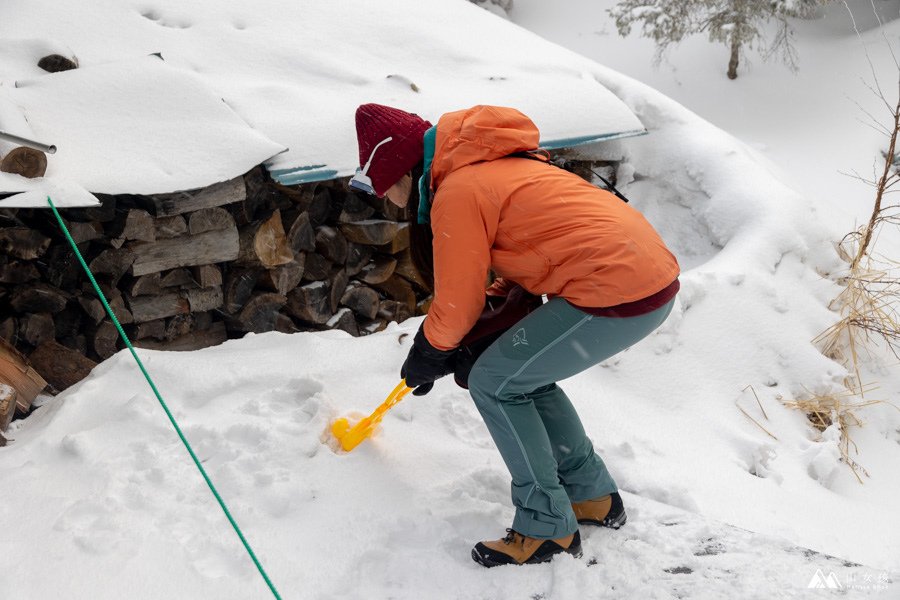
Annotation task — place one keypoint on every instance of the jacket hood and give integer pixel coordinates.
(478, 134)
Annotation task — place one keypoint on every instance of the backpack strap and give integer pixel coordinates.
(543, 156)
(610, 187)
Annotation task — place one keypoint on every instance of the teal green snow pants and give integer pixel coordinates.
(533, 423)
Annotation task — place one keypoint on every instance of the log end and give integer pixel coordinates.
(26, 162)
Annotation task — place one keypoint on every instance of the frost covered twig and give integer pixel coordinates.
(746, 414)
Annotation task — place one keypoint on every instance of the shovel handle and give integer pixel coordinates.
(394, 397)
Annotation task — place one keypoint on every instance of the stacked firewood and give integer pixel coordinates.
(192, 269)
(188, 270)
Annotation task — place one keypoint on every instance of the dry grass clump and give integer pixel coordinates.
(868, 304)
(824, 410)
(868, 308)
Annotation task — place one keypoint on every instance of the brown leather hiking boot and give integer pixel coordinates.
(518, 549)
(606, 511)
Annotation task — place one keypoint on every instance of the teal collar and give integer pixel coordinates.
(424, 212)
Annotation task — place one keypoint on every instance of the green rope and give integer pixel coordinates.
(161, 401)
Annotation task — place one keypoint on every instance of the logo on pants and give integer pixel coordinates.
(519, 338)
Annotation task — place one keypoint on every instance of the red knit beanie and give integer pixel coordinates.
(393, 160)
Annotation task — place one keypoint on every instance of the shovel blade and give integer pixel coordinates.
(351, 437)
(340, 428)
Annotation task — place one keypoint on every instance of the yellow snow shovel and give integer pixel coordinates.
(351, 437)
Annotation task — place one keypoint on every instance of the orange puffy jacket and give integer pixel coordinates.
(542, 227)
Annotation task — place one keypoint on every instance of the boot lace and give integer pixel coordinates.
(512, 537)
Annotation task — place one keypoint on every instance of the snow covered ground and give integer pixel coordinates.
(102, 501)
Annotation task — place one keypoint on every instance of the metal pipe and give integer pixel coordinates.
(49, 149)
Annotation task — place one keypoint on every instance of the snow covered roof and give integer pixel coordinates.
(239, 84)
(138, 126)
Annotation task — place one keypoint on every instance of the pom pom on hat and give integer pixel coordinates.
(393, 160)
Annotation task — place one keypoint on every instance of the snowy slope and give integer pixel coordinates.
(98, 486)
(109, 506)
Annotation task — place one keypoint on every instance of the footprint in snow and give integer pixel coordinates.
(96, 527)
(461, 419)
(673, 495)
(474, 490)
(299, 398)
(248, 434)
(211, 555)
(156, 17)
(758, 459)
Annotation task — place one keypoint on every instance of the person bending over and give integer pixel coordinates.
(482, 200)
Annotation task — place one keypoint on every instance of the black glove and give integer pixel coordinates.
(425, 364)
